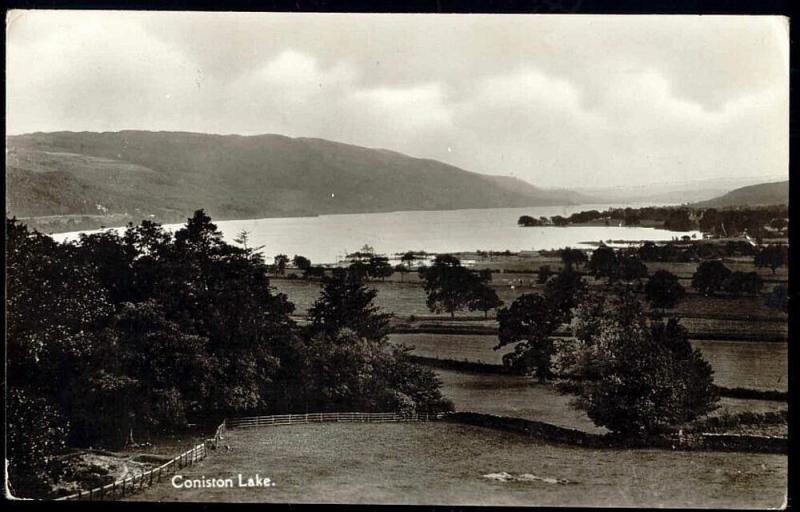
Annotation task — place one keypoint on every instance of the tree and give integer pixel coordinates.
(301, 262)
(449, 285)
(408, 259)
(678, 220)
(280, 264)
(36, 435)
(345, 302)
(603, 262)
(379, 267)
(484, 298)
(359, 270)
(562, 292)
(630, 268)
(772, 256)
(572, 257)
(530, 322)
(778, 298)
(663, 290)
(528, 221)
(710, 277)
(641, 376)
(738, 283)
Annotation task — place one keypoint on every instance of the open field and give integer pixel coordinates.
(735, 364)
(444, 464)
(406, 299)
(515, 396)
(522, 397)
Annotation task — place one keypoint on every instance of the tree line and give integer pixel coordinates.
(756, 221)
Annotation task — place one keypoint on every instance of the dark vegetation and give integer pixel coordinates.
(758, 222)
(451, 287)
(118, 338)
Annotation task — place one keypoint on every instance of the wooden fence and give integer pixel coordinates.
(134, 483)
(323, 417)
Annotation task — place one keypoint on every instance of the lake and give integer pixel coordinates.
(327, 238)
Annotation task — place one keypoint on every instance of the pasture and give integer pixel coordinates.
(521, 397)
(735, 363)
(444, 464)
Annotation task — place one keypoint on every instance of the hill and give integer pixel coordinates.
(71, 180)
(763, 194)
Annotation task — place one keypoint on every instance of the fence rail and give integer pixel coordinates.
(323, 417)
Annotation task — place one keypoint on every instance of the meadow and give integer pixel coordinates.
(444, 464)
(522, 397)
(735, 363)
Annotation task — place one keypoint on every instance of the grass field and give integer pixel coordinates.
(406, 299)
(444, 464)
(735, 364)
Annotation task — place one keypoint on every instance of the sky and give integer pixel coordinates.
(560, 101)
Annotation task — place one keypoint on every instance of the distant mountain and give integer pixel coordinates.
(74, 180)
(681, 192)
(763, 194)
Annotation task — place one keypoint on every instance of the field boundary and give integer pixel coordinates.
(679, 441)
(329, 417)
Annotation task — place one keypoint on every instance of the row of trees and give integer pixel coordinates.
(116, 338)
(757, 222)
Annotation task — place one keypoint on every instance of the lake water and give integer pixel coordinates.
(327, 238)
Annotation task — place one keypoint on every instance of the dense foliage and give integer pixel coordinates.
(451, 287)
(529, 322)
(118, 337)
(756, 221)
(636, 375)
(663, 290)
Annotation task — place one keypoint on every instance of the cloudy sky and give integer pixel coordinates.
(569, 101)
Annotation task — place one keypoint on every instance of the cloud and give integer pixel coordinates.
(558, 100)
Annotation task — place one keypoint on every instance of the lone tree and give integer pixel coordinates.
(645, 375)
(408, 258)
(572, 258)
(280, 264)
(663, 290)
(772, 256)
(379, 267)
(603, 262)
(301, 262)
(710, 277)
(449, 285)
(484, 298)
(530, 322)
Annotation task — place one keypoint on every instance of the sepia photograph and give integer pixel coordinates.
(521, 260)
